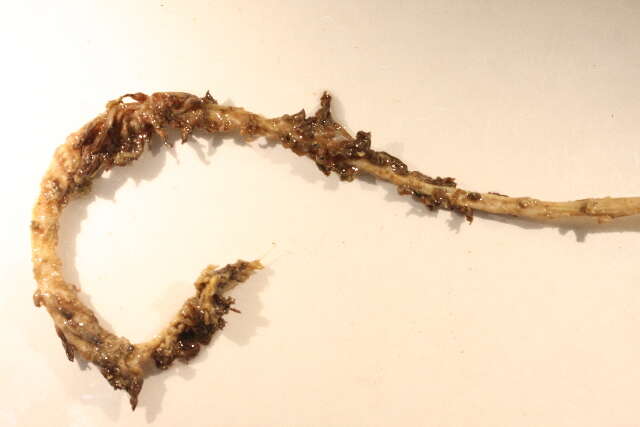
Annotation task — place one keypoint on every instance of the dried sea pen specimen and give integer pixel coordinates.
(119, 136)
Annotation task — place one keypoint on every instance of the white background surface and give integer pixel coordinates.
(372, 311)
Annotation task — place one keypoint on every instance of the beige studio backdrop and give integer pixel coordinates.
(372, 311)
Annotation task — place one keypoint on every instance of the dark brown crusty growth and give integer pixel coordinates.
(120, 135)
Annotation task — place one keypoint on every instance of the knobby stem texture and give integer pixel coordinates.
(122, 133)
